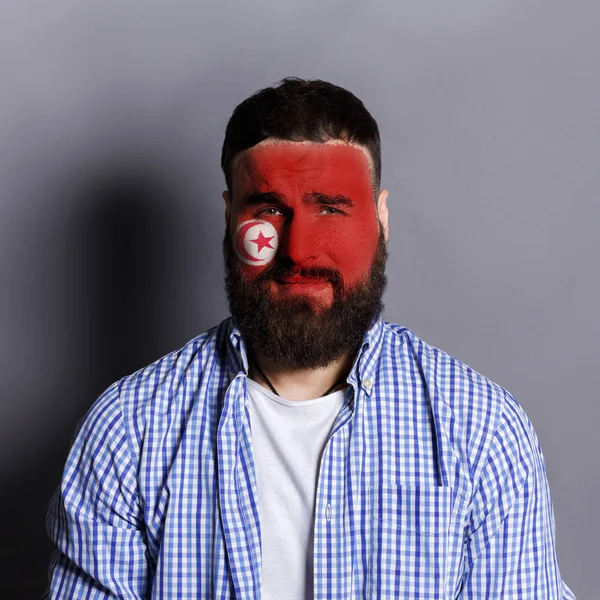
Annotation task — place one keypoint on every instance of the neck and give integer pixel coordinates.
(302, 384)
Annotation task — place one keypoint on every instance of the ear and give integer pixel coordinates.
(227, 197)
(382, 212)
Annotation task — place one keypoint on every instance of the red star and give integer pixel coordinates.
(261, 241)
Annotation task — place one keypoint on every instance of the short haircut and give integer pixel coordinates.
(301, 110)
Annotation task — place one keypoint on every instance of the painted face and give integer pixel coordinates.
(310, 202)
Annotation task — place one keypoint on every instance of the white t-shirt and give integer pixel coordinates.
(288, 437)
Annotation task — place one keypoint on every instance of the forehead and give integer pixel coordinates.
(322, 166)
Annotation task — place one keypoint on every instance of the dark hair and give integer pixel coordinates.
(301, 110)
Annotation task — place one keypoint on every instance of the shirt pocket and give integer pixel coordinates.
(409, 527)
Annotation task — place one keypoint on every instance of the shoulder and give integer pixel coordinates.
(448, 379)
(159, 393)
(472, 410)
(157, 381)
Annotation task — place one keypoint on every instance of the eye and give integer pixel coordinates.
(335, 210)
(265, 210)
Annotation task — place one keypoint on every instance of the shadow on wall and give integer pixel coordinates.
(124, 245)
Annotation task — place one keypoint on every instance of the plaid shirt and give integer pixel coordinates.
(431, 485)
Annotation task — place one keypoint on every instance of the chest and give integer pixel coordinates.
(387, 510)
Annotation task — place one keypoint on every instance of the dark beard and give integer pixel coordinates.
(293, 332)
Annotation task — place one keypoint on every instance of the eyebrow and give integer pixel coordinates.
(258, 199)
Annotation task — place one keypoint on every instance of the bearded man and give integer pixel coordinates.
(304, 448)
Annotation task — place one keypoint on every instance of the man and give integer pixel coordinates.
(305, 448)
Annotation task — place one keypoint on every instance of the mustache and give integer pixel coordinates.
(278, 272)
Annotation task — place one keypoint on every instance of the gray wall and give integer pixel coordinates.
(111, 120)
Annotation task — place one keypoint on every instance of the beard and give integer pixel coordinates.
(295, 332)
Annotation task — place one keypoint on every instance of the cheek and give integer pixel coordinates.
(352, 248)
(346, 246)
(255, 244)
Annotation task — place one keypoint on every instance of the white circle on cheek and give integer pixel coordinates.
(255, 242)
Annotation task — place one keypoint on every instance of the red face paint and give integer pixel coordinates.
(301, 226)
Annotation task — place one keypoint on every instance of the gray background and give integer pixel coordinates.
(112, 116)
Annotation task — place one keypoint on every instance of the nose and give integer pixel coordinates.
(299, 242)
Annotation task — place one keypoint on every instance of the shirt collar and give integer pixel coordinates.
(363, 372)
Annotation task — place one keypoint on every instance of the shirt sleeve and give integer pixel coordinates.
(509, 536)
(94, 518)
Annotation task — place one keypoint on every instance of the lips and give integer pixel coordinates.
(301, 280)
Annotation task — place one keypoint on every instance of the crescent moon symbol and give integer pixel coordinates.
(239, 240)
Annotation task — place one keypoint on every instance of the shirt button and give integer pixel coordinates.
(368, 383)
(328, 512)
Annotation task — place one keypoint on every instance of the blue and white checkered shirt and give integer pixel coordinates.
(431, 485)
